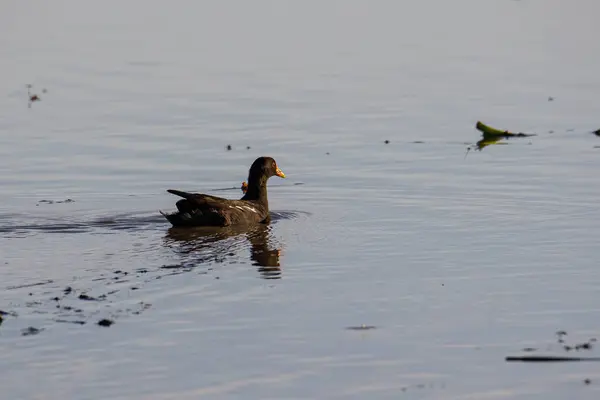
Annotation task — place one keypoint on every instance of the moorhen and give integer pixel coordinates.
(197, 209)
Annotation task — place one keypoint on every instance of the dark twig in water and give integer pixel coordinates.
(362, 327)
(27, 285)
(550, 358)
(32, 97)
(467, 152)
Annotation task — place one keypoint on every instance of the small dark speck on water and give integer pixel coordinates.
(587, 381)
(84, 296)
(105, 322)
(362, 327)
(583, 346)
(228, 147)
(68, 290)
(55, 201)
(529, 349)
(387, 142)
(596, 132)
(327, 153)
(247, 147)
(550, 98)
(31, 331)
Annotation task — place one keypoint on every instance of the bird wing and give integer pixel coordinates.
(213, 210)
(201, 200)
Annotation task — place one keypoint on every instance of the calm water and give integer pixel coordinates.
(457, 262)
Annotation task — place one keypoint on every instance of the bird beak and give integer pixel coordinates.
(279, 173)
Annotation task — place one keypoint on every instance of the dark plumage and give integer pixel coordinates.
(197, 209)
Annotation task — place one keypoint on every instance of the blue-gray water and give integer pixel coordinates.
(457, 262)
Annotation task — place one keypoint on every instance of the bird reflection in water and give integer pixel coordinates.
(207, 244)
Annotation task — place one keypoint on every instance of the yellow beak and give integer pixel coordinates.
(279, 173)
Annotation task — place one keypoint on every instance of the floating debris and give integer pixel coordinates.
(32, 97)
(144, 307)
(583, 346)
(55, 201)
(587, 345)
(491, 136)
(105, 322)
(228, 147)
(64, 321)
(85, 297)
(362, 327)
(489, 132)
(31, 331)
(587, 381)
(28, 285)
(560, 335)
(550, 358)
(387, 142)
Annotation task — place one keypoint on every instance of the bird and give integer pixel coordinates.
(197, 209)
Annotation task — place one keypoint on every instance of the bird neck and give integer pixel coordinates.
(257, 190)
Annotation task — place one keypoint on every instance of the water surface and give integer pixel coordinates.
(456, 262)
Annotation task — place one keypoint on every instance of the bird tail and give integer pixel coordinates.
(179, 193)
